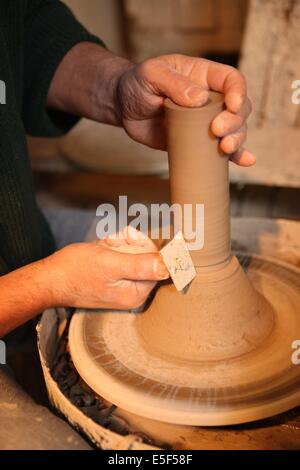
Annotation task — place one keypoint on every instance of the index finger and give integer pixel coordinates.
(230, 81)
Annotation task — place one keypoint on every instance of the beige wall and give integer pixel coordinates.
(155, 27)
(194, 27)
(103, 18)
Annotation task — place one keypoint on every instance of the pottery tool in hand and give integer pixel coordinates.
(178, 261)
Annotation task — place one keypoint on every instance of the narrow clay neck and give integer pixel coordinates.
(199, 175)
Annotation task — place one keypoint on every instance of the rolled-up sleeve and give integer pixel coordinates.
(51, 31)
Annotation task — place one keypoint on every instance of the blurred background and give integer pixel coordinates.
(96, 163)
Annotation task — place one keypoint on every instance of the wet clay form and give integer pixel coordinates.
(221, 353)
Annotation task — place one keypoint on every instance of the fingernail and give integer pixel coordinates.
(239, 102)
(234, 102)
(248, 158)
(160, 269)
(196, 94)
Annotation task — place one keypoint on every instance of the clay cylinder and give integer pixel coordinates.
(199, 175)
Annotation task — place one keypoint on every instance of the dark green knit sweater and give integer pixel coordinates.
(34, 37)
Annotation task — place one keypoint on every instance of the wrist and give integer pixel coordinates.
(53, 278)
(44, 283)
(86, 82)
(107, 90)
(24, 293)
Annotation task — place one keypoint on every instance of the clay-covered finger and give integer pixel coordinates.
(243, 157)
(232, 142)
(227, 123)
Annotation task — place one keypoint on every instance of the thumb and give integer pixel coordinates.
(167, 81)
(137, 267)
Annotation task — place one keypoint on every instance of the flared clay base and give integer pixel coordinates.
(219, 354)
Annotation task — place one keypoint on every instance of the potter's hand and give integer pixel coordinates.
(92, 275)
(110, 89)
(185, 80)
(106, 273)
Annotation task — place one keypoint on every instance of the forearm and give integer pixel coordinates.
(24, 293)
(85, 83)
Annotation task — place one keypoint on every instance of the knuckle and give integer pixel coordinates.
(239, 75)
(146, 68)
(232, 69)
(234, 73)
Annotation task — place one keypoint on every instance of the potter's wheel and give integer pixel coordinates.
(111, 358)
(221, 353)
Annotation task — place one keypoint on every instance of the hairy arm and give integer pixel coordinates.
(24, 293)
(90, 275)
